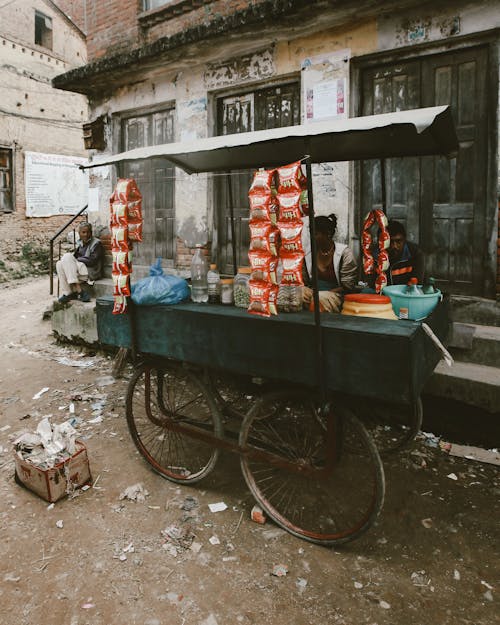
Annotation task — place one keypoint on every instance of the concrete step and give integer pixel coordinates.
(76, 322)
(470, 383)
(475, 310)
(474, 343)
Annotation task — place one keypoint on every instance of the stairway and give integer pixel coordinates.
(474, 343)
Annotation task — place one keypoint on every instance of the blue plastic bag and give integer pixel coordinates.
(159, 288)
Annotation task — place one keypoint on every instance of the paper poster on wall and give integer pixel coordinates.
(54, 184)
(325, 81)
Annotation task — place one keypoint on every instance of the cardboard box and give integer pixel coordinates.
(52, 484)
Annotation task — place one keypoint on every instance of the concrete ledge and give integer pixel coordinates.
(75, 322)
(476, 385)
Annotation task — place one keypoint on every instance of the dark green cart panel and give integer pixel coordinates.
(369, 357)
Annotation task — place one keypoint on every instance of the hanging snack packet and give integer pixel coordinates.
(260, 207)
(134, 212)
(126, 190)
(291, 236)
(263, 266)
(119, 215)
(119, 239)
(264, 237)
(135, 231)
(292, 269)
(121, 284)
(263, 298)
(263, 181)
(121, 263)
(120, 305)
(290, 206)
(304, 202)
(291, 178)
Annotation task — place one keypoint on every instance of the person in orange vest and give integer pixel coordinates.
(406, 259)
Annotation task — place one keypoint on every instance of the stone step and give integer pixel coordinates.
(470, 383)
(474, 343)
(475, 310)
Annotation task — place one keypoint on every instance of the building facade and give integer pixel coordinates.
(37, 42)
(160, 71)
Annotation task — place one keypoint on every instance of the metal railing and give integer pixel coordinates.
(51, 245)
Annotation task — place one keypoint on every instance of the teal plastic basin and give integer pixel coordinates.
(415, 307)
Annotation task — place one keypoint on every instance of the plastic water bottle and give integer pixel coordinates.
(429, 287)
(412, 287)
(213, 279)
(199, 270)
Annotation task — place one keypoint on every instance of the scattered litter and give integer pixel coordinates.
(69, 362)
(72, 408)
(174, 597)
(177, 538)
(488, 595)
(419, 578)
(452, 476)
(85, 487)
(105, 380)
(129, 548)
(51, 506)
(279, 570)
(88, 606)
(301, 584)
(40, 392)
(431, 440)
(382, 541)
(122, 557)
(488, 586)
(97, 419)
(257, 515)
(427, 523)
(60, 524)
(154, 507)
(210, 620)
(456, 575)
(10, 577)
(214, 540)
(217, 507)
(190, 503)
(358, 585)
(273, 533)
(4, 428)
(136, 492)
(384, 604)
(229, 559)
(196, 547)
(490, 456)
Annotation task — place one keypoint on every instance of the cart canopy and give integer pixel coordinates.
(417, 132)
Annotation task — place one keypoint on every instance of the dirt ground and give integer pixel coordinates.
(109, 563)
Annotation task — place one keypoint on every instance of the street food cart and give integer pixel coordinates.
(306, 457)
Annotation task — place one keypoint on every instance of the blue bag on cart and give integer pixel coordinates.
(159, 288)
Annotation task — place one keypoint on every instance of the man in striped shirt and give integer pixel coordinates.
(406, 259)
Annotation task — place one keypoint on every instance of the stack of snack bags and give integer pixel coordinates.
(264, 244)
(293, 204)
(126, 226)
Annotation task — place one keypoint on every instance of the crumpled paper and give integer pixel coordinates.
(49, 445)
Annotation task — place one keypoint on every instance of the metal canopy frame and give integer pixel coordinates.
(417, 132)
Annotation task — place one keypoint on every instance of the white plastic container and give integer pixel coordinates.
(199, 270)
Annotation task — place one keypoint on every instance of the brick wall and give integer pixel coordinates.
(184, 254)
(75, 10)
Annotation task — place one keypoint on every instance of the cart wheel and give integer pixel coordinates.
(234, 394)
(330, 492)
(158, 398)
(393, 427)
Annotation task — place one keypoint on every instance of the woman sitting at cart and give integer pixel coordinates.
(337, 267)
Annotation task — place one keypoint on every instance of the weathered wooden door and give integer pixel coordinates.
(155, 179)
(5, 181)
(440, 201)
(273, 107)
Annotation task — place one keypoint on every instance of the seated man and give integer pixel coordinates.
(406, 260)
(84, 265)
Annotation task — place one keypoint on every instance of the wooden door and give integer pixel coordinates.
(5, 181)
(454, 196)
(155, 179)
(273, 107)
(441, 202)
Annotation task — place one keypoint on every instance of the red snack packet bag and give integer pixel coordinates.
(119, 239)
(263, 181)
(292, 269)
(120, 305)
(264, 237)
(135, 231)
(121, 284)
(263, 298)
(134, 212)
(260, 207)
(291, 236)
(291, 178)
(290, 206)
(263, 266)
(126, 190)
(119, 215)
(304, 202)
(383, 260)
(380, 282)
(121, 263)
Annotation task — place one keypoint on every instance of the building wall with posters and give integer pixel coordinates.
(179, 69)
(37, 42)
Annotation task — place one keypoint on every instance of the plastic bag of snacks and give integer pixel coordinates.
(291, 236)
(119, 305)
(121, 284)
(263, 298)
(263, 266)
(264, 237)
(263, 181)
(121, 263)
(126, 190)
(289, 204)
(292, 269)
(291, 178)
(263, 208)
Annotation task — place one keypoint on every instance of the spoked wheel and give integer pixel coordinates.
(330, 486)
(393, 427)
(233, 394)
(158, 399)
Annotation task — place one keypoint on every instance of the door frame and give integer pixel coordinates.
(490, 40)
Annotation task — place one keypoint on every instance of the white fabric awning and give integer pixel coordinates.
(417, 132)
